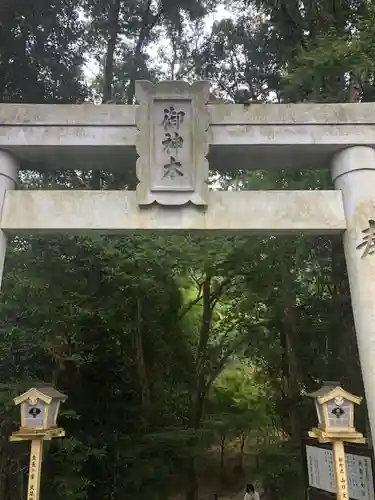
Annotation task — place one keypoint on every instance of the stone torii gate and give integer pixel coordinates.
(173, 131)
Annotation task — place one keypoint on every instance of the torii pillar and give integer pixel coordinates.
(8, 181)
(353, 173)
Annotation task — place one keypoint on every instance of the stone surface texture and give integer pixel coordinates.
(256, 136)
(8, 181)
(256, 212)
(354, 174)
(172, 142)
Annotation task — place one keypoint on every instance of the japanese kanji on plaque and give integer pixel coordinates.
(172, 143)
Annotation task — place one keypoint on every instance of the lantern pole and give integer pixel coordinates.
(340, 470)
(36, 455)
(341, 475)
(35, 469)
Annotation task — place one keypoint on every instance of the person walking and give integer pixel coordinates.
(251, 494)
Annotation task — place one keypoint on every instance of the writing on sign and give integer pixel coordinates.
(341, 483)
(172, 168)
(321, 473)
(33, 479)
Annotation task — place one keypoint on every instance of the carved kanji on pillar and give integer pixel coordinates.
(368, 239)
(172, 142)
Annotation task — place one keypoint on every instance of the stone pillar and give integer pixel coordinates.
(8, 180)
(353, 173)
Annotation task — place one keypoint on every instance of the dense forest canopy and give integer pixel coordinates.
(185, 358)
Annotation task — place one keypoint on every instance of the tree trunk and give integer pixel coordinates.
(141, 366)
(222, 453)
(3, 75)
(289, 339)
(192, 480)
(195, 423)
(293, 369)
(242, 450)
(113, 29)
(149, 21)
(198, 390)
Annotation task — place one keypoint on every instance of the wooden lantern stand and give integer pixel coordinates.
(36, 455)
(337, 439)
(39, 411)
(335, 408)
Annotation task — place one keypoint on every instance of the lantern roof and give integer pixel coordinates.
(46, 394)
(331, 390)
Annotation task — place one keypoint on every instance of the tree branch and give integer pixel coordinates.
(192, 303)
(218, 293)
(149, 21)
(113, 18)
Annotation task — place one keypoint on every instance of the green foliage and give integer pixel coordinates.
(239, 401)
(168, 345)
(41, 52)
(280, 466)
(327, 64)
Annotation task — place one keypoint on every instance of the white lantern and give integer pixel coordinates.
(39, 408)
(335, 407)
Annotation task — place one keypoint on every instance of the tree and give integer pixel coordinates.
(41, 53)
(144, 333)
(239, 402)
